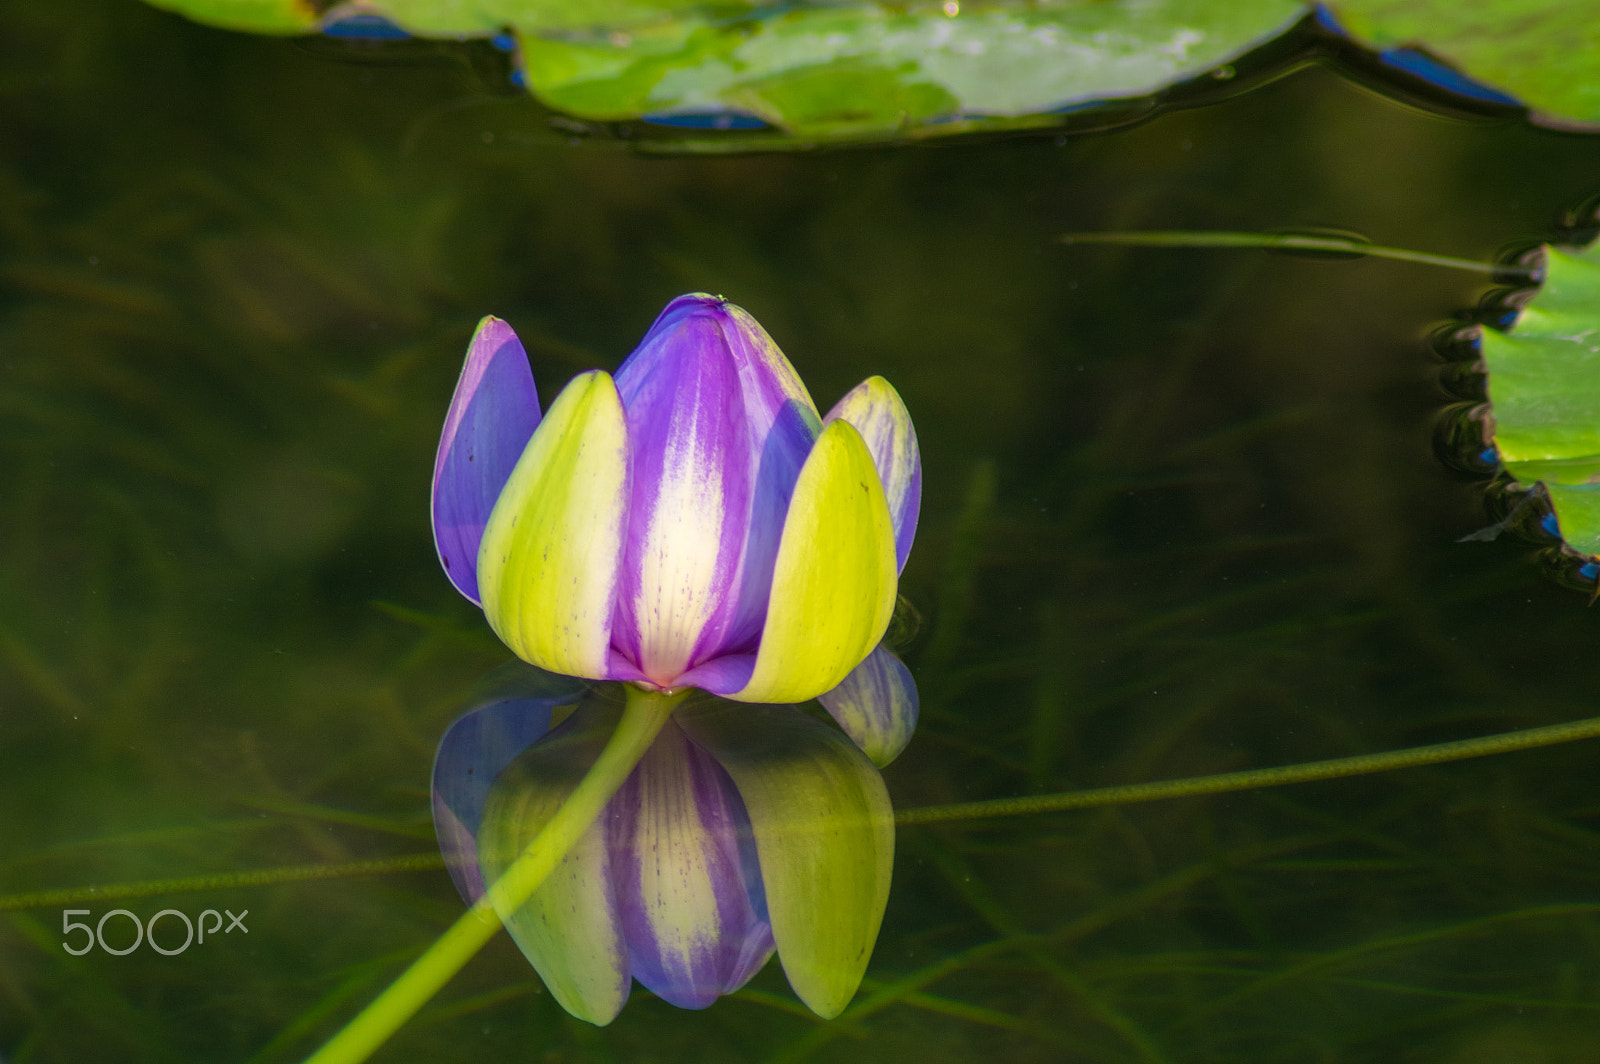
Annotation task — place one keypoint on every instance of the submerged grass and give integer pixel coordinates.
(1127, 794)
(1182, 520)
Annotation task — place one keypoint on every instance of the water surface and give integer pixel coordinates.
(1183, 515)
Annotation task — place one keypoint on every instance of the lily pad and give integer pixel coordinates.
(865, 68)
(871, 69)
(1546, 53)
(824, 70)
(256, 16)
(1544, 387)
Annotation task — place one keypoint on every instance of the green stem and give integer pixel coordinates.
(1310, 771)
(1281, 242)
(642, 719)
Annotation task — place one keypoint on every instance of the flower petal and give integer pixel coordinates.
(689, 503)
(783, 425)
(493, 412)
(569, 929)
(548, 566)
(779, 423)
(824, 834)
(875, 409)
(833, 586)
(769, 382)
(876, 705)
(511, 710)
(781, 457)
(686, 876)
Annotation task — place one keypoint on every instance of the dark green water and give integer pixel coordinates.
(1182, 515)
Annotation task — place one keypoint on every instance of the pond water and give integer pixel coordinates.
(1183, 515)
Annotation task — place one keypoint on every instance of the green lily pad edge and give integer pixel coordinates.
(820, 72)
(859, 70)
(1544, 393)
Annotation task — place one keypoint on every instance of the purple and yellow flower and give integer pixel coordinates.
(691, 523)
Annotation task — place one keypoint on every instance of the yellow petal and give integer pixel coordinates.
(833, 587)
(569, 928)
(824, 833)
(547, 567)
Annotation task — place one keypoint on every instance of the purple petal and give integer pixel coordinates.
(492, 414)
(768, 380)
(622, 670)
(876, 705)
(794, 430)
(783, 425)
(687, 877)
(771, 437)
(875, 409)
(721, 676)
(689, 506)
(512, 710)
(459, 845)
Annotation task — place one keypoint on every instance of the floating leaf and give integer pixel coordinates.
(827, 70)
(258, 16)
(1546, 53)
(1544, 384)
(873, 69)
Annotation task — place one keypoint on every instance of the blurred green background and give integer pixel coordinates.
(1182, 515)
